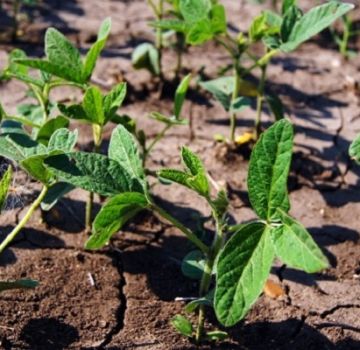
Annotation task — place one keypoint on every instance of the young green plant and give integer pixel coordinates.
(62, 66)
(205, 20)
(233, 270)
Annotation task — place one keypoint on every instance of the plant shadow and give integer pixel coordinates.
(48, 333)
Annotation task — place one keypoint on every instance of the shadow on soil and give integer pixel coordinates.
(48, 333)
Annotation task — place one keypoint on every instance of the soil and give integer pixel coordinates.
(124, 296)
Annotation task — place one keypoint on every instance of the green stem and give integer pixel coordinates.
(97, 136)
(189, 234)
(346, 35)
(24, 220)
(260, 101)
(235, 95)
(158, 137)
(159, 41)
(207, 274)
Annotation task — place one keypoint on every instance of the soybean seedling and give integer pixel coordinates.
(233, 271)
(5, 183)
(205, 20)
(342, 40)
(63, 66)
(148, 55)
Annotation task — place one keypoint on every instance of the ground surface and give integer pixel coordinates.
(123, 297)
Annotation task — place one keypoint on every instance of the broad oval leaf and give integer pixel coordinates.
(182, 325)
(113, 215)
(268, 170)
(195, 10)
(114, 100)
(313, 22)
(242, 269)
(95, 50)
(124, 150)
(93, 105)
(146, 56)
(193, 265)
(50, 127)
(93, 172)
(62, 140)
(62, 54)
(54, 193)
(295, 247)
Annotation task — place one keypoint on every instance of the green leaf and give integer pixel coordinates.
(313, 22)
(258, 27)
(93, 105)
(195, 166)
(93, 172)
(292, 15)
(96, 48)
(242, 269)
(295, 246)
(113, 215)
(74, 111)
(218, 19)
(216, 335)
(62, 54)
(221, 89)
(182, 325)
(4, 186)
(146, 56)
(180, 95)
(19, 146)
(287, 4)
(275, 105)
(54, 193)
(354, 150)
(174, 175)
(240, 104)
(62, 140)
(193, 265)
(195, 10)
(36, 168)
(268, 170)
(221, 203)
(19, 284)
(123, 149)
(200, 32)
(171, 24)
(114, 100)
(207, 300)
(167, 120)
(50, 127)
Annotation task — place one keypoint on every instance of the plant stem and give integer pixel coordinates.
(235, 95)
(189, 234)
(206, 277)
(97, 136)
(158, 137)
(24, 220)
(346, 35)
(260, 101)
(159, 41)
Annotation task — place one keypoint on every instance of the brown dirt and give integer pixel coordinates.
(138, 277)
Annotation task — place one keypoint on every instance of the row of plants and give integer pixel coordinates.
(232, 262)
